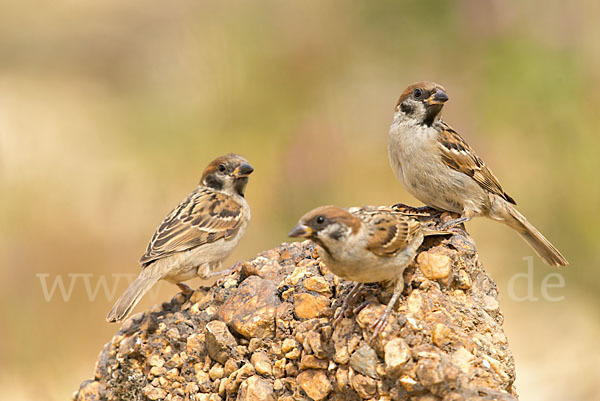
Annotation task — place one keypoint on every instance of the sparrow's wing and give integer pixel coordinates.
(458, 155)
(203, 217)
(391, 232)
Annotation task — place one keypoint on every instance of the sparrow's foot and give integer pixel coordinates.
(185, 288)
(348, 302)
(222, 273)
(454, 222)
(382, 321)
(380, 324)
(412, 210)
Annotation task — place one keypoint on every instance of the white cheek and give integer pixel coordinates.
(227, 183)
(419, 111)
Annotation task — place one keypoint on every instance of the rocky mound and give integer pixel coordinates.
(264, 333)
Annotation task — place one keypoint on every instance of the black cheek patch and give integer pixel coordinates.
(406, 108)
(337, 234)
(213, 182)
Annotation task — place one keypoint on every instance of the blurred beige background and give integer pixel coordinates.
(109, 111)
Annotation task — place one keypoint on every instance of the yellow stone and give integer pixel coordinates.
(308, 306)
(435, 266)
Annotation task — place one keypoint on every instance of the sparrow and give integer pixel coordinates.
(365, 245)
(194, 239)
(439, 168)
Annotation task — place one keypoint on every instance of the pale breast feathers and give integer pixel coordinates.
(204, 217)
(458, 155)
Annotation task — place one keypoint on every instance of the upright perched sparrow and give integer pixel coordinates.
(439, 168)
(365, 245)
(197, 235)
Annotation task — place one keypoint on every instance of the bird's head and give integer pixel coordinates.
(328, 226)
(227, 173)
(422, 102)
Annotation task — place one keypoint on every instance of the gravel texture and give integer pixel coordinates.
(264, 333)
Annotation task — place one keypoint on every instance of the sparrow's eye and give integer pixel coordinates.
(417, 93)
(221, 168)
(320, 220)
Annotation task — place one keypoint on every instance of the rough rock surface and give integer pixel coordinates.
(264, 333)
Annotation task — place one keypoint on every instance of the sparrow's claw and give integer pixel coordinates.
(380, 324)
(454, 222)
(346, 304)
(222, 273)
(185, 288)
(382, 321)
(412, 210)
(339, 315)
(236, 267)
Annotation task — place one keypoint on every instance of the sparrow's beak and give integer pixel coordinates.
(243, 170)
(437, 97)
(300, 231)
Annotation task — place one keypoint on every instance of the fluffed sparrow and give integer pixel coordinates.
(439, 168)
(366, 245)
(197, 235)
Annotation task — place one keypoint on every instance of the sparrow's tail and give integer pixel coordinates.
(536, 240)
(132, 296)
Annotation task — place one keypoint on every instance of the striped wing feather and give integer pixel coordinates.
(458, 155)
(392, 232)
(203, 217)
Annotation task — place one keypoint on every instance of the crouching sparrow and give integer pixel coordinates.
(439, 168)
(197, 235)
(366, 245)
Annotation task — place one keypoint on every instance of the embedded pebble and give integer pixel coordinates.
(397, 354)
(317, 284)
(441, 335)
(364, 360)
(154, 393)
(261, 363)
(216, 372)
(463, 359)
(219, 341)
(315, 383)
(312, 362)
(251, 310)
(365, 386)
(309, 306)
(435, 266)
(256, 389)
(156, 360)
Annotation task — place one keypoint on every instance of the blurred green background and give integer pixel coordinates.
(109, 111)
